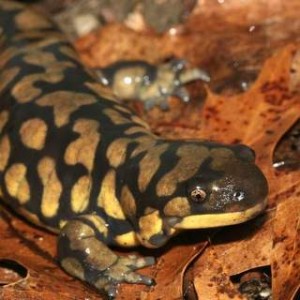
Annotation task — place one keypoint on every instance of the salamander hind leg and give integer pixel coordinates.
(83, 253)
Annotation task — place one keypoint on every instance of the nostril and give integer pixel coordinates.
(238, 196)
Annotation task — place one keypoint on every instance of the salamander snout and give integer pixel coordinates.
(231, 193)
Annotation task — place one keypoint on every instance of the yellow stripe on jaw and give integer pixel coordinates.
(221, 219)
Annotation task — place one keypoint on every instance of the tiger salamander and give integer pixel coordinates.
(84, 166)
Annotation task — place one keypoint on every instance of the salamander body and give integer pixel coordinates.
(84, 166)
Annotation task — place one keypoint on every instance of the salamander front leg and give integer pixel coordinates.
(83, 253)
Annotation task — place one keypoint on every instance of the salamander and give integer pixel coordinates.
(151, 84)
(79, 163)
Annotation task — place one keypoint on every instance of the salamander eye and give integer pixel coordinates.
(197, 194)
(239, 195)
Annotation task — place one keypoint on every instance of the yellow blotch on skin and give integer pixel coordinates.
(149, 225)
(189, 161)
(149, 165)
(5, 56)
(101, 91)
(64, 103)
(116, 151)
(107, 197)
(116, 117)
(33, 133)
(38, 35)
(128, 239)
(69, 52)
(52, 187)
(177, 207)
(48, 61)
(40, 58)
(30, 20)
(141, 122)
(220, 155)
(80, 194)
(6, 76)
(144, 143)
(149, 210)
(136, 129)
(42, 43)
(122, 108)
(84, 148)
(25, 91)
(4, 115)
(128, 202)
(62, 223)
(98, 222)
(4, 152)
(16, 182)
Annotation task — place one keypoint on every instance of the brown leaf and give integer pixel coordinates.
(34, 249)
(168, 271)
(115, 43)
(242, 248)
(286, 249)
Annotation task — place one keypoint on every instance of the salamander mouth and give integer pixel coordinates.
(221, 219)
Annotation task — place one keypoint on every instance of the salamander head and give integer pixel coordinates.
(227, 189)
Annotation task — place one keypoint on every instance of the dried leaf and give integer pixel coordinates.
(286, 249)
(242, 248)
(35, 250)
(168, 271)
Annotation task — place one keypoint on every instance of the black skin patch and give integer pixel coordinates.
(244, 152)
(158, 240)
